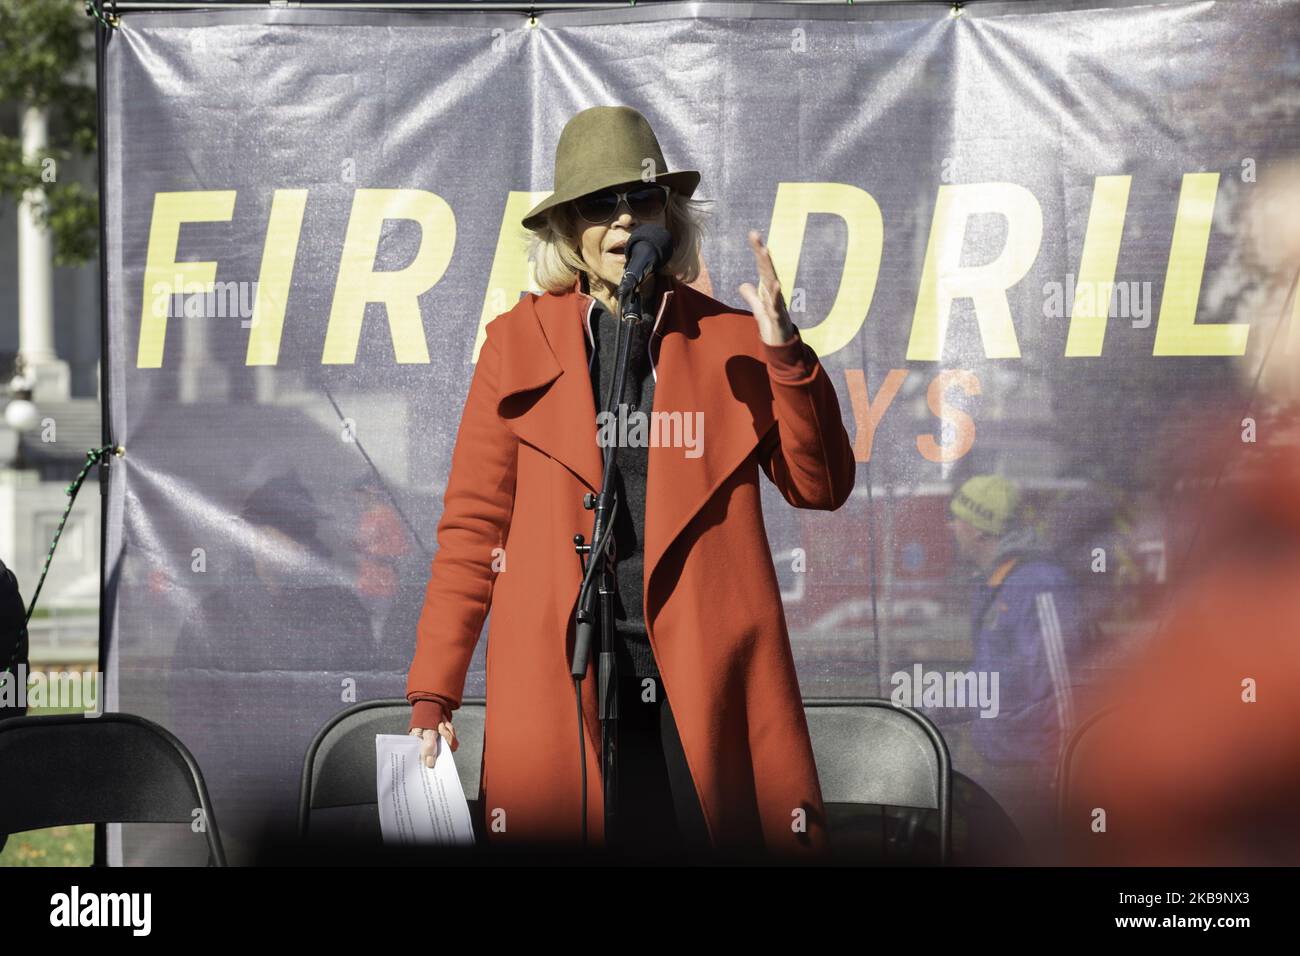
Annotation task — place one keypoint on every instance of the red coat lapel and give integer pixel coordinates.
(545, 386)
(708, 364)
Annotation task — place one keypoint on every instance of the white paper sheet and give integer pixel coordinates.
(419, 804)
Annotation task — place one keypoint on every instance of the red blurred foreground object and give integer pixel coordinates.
(1200, 764)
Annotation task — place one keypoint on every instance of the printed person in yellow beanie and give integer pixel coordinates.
(1026, 626)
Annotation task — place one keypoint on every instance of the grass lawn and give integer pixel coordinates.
(58, 846)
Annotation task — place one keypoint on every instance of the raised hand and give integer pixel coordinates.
(766, 302)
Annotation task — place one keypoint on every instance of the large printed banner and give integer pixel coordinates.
(1013, 234)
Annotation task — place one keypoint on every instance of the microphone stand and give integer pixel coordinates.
(598, 586)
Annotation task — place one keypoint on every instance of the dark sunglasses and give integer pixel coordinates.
(646, 202)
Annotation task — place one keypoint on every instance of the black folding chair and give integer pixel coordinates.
(870, 752)
(338, 775)
(67, 769)
(897, 758)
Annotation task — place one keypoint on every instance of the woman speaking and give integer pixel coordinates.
(713, 749)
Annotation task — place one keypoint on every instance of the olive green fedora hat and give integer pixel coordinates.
(607, 146)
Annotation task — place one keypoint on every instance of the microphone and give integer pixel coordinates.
(648, 248)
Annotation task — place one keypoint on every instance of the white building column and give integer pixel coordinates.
(50, 374)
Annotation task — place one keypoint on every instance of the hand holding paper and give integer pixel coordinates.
(418, 804)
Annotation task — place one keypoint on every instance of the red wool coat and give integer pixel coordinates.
(521, 465)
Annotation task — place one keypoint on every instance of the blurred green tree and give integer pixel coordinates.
(47, 61)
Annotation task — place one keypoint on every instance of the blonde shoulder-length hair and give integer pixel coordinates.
(557, 261)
